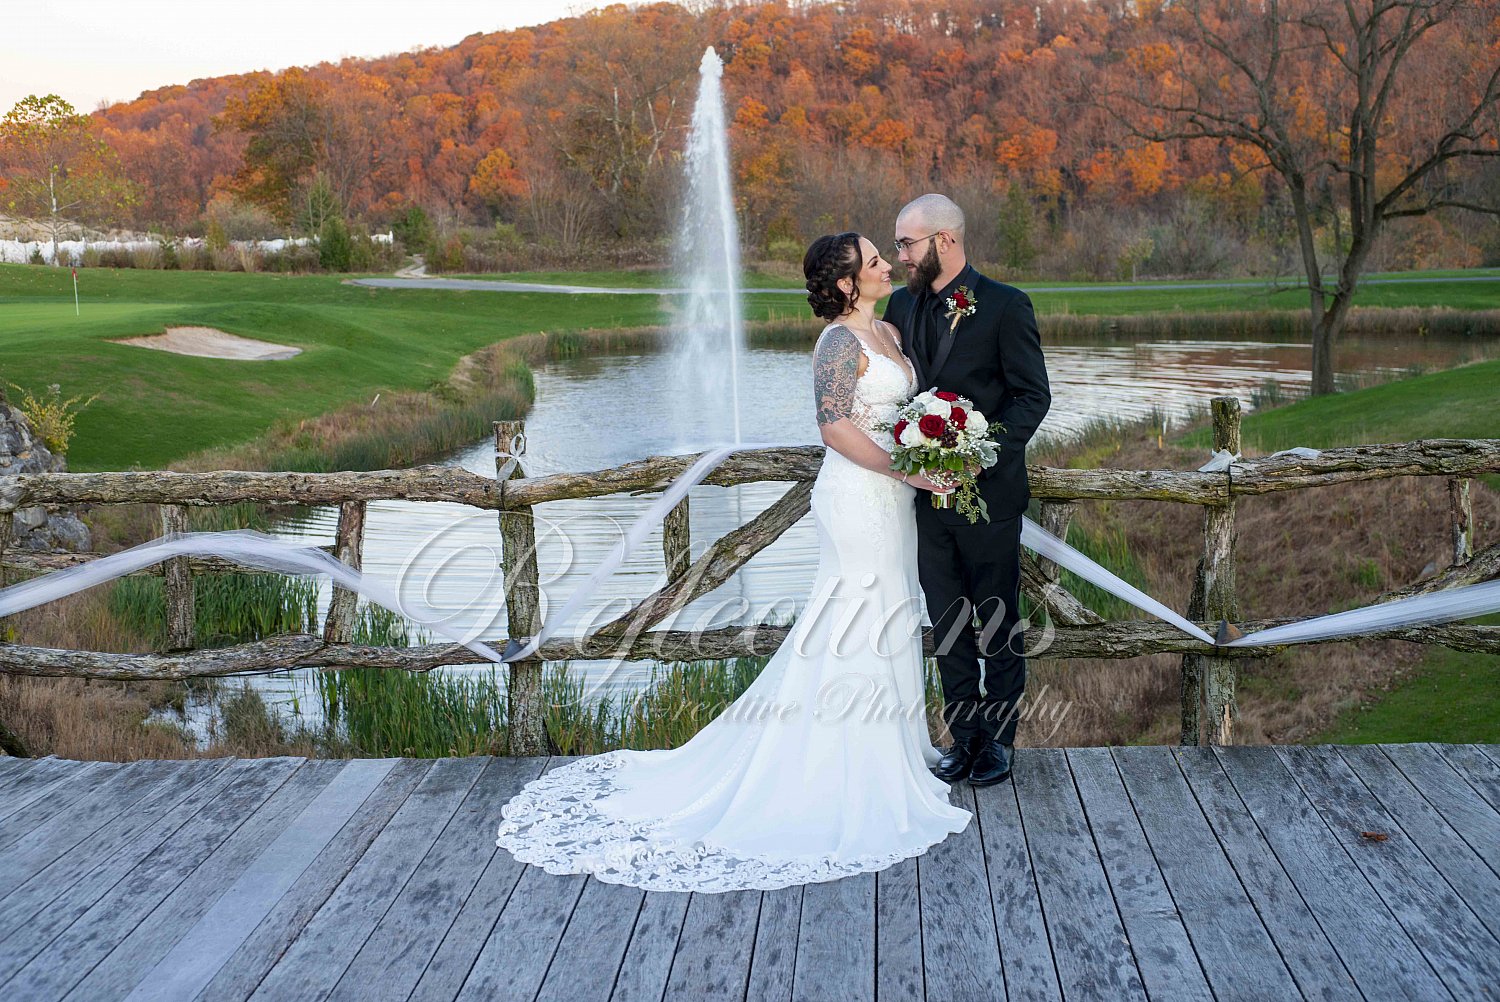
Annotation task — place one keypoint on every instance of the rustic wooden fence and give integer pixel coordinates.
(1208, 672)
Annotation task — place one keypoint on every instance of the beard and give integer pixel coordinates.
(920, 276)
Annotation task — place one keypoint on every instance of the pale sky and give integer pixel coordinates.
(93, 50)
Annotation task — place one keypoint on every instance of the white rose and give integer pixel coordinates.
(912, 437)
(976, 423)
(939, 407)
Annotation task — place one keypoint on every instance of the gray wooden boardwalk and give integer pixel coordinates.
(1098, 873)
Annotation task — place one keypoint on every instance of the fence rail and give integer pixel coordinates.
(1074, 631)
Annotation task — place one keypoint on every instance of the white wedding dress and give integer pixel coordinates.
(819, 770)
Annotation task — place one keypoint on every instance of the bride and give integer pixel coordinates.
(819, 770)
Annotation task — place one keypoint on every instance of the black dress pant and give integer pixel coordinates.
(967, 571)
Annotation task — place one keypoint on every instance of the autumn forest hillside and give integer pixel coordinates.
(1059, 123)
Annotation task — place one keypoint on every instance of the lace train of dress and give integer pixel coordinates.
(819, 770)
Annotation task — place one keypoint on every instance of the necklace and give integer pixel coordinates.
(871, 339)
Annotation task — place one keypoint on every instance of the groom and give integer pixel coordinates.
(993, 356)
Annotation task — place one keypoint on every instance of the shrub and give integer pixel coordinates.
(239, 220)
(785, 249)
(334, 246)
(414, 230)
(51, 417)
(149, 258)
(215, 239)
(450, 257)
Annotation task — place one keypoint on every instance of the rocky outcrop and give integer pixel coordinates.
(37, 527)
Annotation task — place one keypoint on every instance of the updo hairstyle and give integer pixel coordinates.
(830, 258)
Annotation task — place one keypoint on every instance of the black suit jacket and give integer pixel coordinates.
(994, 358)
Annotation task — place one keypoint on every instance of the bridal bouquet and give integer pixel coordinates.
(940, 435)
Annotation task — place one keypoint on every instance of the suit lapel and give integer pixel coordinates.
(948, 336)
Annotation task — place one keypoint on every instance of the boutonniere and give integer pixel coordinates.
(961, 304)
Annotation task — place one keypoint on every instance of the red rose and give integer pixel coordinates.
(932, 426)
(947, 395)
(897, 430)
(960, 300)
(959, 417)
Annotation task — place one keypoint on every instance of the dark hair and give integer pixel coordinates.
(830, 258)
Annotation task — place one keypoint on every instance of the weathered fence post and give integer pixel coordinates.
(7, 526)
(526, 705)
(1055, 518)
(1461, 511)
(348, 546)
(1214, 598)
(177, 584)
(676, 541)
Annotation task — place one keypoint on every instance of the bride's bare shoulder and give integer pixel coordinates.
(838, 346)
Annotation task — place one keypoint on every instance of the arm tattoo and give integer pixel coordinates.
(835, 371)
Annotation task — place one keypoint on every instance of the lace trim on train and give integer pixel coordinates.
(553, 823)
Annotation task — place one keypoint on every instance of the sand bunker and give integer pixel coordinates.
(211, 343)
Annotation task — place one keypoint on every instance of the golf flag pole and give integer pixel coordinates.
(75, 292)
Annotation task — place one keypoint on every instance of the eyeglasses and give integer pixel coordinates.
(906, 243)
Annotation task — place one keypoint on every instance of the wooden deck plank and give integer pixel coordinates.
(1376, 950)
(960, 948)
(196, 957)
(773, 963)
(476, 916)
(40, 913)
(405, 940)
(1305, 949)
(52, 792)
(1233, 948)
(1025, 952)
(333, 937)
(1437, 919)
(12, 766)
(715, 947)
(1094, 959)
(1444, 846)
(1144, 856)
(59, 834)
(260, 950)
(653, 943)
(898, 933)
(835, 944)
(1448, 791)
(593, 945)
(129, 963)
(45, 887)
(1480, 770)
(35, 780)
(513, 959)
(110, 920)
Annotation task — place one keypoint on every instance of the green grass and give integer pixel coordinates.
(1456, 403)
(155, 407)
(1450, 697)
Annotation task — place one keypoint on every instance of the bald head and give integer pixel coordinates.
(935, 212)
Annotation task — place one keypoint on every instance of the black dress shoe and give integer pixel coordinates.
(955, 763)
(991, 764)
